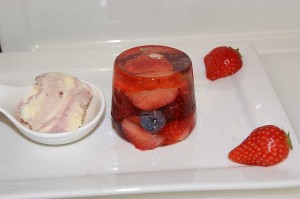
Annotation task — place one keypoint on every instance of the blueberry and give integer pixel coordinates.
(152, 121)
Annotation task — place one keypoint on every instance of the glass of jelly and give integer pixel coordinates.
(153, 97)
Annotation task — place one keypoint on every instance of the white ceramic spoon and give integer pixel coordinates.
(10, 97)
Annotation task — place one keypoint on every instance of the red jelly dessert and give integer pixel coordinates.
(153, 98)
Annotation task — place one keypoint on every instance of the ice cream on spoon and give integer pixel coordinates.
(39, 110)
(57, 103)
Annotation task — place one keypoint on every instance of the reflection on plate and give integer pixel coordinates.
(104, 164)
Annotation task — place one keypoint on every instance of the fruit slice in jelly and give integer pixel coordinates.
(177, 130)
(151, 100)
(139, 137)
(149, 65)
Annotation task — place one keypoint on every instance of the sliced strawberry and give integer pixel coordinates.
(129, 83)
(149, 65)
(145, 72)
(175, 110)
(118, 129)
(183, 105)
(174, 56)
(158, 48)
(177, 130)
(134, 52)
(122, 59)
(154, 99)
(121, 106)
(134, 118)
(140, 138)
(126, 82)
(129, 52)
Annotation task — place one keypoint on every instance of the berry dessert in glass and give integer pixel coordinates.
(153, 97)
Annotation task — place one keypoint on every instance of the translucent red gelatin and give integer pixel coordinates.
(153, 98)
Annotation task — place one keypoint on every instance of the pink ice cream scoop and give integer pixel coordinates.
(56, 103)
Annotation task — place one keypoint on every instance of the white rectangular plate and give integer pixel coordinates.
(103, 164)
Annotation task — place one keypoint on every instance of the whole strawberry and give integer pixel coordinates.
(221, 62)
(265, 146)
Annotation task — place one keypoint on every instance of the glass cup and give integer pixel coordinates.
(153, 97)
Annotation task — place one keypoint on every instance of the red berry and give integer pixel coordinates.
(221, 62)
(121, 106)
(154, 99)
(149, 65)
(175, 110)
(183, 105)
(140, 138)
(145, 72)
(177, 130)
(265, 146)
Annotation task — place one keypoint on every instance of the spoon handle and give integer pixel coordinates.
(6, 93)
(10, 96)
